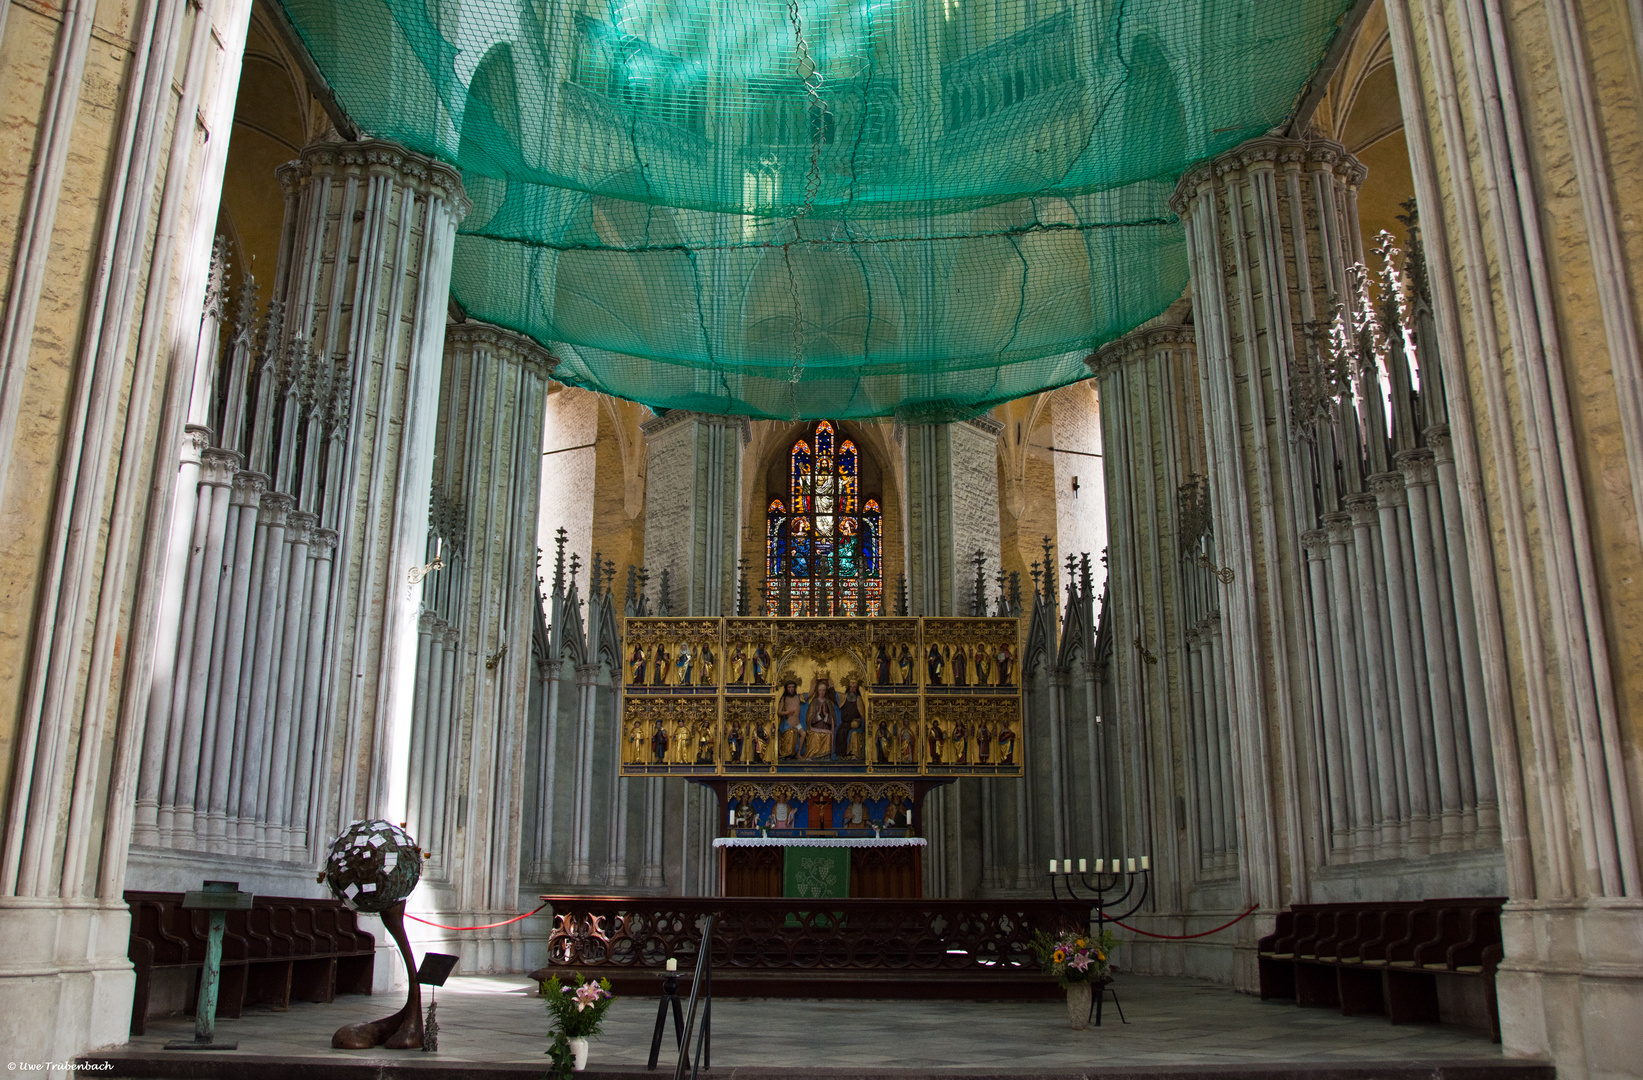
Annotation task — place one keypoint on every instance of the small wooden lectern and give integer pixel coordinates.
(219, 898)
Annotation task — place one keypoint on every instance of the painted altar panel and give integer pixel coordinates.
(822, 698)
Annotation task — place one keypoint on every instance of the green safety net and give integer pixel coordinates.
(819, 208)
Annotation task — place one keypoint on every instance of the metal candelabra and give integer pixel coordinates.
(1100, 890)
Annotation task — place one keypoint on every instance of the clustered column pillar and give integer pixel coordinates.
(293, 604)
(1347, 626)
(1162, 607)
(473, 663)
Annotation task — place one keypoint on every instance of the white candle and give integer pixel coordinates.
(1131, 866)
(1146, 862)
(1081, 866)
(672, 963)
(1100, 866)
(1052, 866)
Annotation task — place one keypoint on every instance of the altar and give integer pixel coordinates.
(846, 866)
(821, 736)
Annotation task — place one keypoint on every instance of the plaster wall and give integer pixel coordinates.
(569, 495)
(1081, 512)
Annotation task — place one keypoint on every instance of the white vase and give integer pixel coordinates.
(1078, 1005)
(579, 1054)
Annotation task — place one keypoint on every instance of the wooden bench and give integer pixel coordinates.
(1413, 961)
(282, 949)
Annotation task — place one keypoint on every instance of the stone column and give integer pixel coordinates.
(389, 217)
(1151, 417)
(1271, 229)
(1390, 501)
(1464, 628)
(1316, 542)
(552, 764)
(145, 824)
(109, 232)
(580, 870)
(1505, 114)
(222, 710)
(491, 400)
(692, 509)
(1436, 611)
(1392, 800)
(1344, 618)
(952, 511)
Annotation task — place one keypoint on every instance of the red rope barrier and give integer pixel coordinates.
(1184, 937)
(487, 926)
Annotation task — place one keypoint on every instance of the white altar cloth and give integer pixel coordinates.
(819, 841)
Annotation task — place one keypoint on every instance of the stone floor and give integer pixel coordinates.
(1173, 1022)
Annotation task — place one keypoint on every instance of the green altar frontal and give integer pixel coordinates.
(824, 698)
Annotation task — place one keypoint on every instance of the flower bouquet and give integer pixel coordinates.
(1074, 958)
(1080, 964)
(576, 1009)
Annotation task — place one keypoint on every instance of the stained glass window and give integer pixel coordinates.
(824, 549)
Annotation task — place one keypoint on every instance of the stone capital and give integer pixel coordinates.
(1141, 345)
(1437, 440)
(196, 441)
(217, 467)
(1363, 507)
(428, 623)
(673, 417)
(1339, 528)
(510, 346)
(1418, 465)
(322, 542)
(300, 526)
(248, 487)
(1316, 543)
(1389, 489)
(273, 510)
(425, 176)
(1266, 153)
(986, 424)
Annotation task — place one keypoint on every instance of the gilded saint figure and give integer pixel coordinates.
(852, 734)
(789, 720)
(984, 667)
(820, 719)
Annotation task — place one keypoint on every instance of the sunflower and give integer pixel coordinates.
(1082, 942)
(1059, 956)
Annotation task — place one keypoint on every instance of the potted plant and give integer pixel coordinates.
(1081, 965)
(576, 1009)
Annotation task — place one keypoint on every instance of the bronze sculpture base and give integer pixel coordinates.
(402, 1030)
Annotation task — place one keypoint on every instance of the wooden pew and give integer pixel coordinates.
(1401, 960)
(283, 948)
